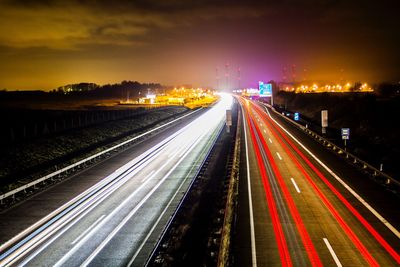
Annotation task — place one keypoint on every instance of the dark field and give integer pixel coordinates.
(49, 134)
(373, 123)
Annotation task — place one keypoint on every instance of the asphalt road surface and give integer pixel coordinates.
(294, 211)
(117, 220)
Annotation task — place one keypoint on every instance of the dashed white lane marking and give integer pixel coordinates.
(295, 185)
(335, 258)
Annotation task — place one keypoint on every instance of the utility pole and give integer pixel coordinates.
(293, 73)
(227, 76)
(238, 78)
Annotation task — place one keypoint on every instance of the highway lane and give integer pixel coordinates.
(117, 221)
(299, 217)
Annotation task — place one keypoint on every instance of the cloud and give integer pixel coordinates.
(71, 24)
(68, 26)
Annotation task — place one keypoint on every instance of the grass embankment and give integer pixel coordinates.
(28, 160)
(372, 122)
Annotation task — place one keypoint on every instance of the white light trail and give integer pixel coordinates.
(58, 222)
(88, 229)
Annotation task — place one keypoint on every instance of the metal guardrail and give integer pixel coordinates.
(88, 159)
(379, 175)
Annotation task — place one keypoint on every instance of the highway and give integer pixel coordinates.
(118, 220)
(294, 211)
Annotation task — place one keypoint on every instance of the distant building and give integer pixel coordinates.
(176, 100)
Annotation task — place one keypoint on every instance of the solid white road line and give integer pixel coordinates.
(279, 155)
(252, 234)
(74, 217)
(357, 196)
(335, 258)
(295, 185)
(36, 240)
(109, 216)
(158, 220)
(80, 212)
(88, 229)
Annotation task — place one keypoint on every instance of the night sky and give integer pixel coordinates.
(46, 44)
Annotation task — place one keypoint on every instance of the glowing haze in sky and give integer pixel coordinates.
(46, 44)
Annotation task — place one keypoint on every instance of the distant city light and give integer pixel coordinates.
(332, 88)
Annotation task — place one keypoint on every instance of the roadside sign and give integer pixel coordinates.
(345, 133)
(296, 116)
(228, 117)
(324, 118)
(265, 89)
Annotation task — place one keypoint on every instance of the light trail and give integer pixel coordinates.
(58, 222)
(363, 221)
(276, 223)
(357, 196)
(356, 241)
(150, 175)
(250, 198)
(87, 230)
(54, 217)
(307, 242)
(141, 203)
(87, 203)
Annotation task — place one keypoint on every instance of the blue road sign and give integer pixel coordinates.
(265, 89)
(296, 116)
(345, 133)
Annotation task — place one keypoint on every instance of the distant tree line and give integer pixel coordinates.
(123, 89)
(87, 90)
